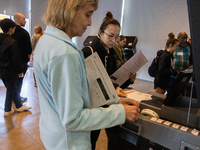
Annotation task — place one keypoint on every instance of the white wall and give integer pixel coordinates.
(151, 21)
(37, 10)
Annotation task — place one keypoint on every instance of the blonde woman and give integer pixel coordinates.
(35, 38)
(66, 117)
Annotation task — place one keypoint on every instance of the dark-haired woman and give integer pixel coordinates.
(108, 36)
(120, 60)
(161, 81)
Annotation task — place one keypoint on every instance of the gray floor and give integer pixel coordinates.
(20, 131)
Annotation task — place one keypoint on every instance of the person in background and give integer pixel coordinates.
(23, 39)
(182, 57)
(11, 68)
(120, 60)
(161, 81)
(35, 38)
(62, 82)
(108, 36)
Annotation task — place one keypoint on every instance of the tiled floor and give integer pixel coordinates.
(20, 131)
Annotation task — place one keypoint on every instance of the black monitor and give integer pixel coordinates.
(88, 41)
(131, 41)
(179, 85)
(130, 47)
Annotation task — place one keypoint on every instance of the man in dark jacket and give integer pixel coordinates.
(23, 39)
(11, 68)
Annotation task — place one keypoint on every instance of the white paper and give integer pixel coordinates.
(102, 90)
(136, 62)
(138, 96)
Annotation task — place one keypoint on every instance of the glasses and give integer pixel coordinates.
(112, 37)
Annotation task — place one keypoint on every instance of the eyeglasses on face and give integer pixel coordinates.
(112, 37)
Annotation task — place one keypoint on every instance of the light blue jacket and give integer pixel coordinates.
(66, 118)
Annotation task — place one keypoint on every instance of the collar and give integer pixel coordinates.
(59, 34)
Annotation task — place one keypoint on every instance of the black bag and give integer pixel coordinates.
(153, 68)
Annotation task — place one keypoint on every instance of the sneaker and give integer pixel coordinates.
(6, 114)
(23, 108)
(23, 99)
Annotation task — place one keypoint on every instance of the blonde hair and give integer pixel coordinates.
(40, 31)
(60, 13)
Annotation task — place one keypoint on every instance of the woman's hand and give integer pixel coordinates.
(20, 75)
(132, 76)
(131, 108)
(120, 92)
(128, 101)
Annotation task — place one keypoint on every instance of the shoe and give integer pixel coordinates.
(6, 114)
(23, 108)
(23, 99)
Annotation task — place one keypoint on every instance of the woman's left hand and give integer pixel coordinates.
(132, 76)
(120, 92)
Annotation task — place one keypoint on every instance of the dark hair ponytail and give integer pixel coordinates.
(109, 15)
(171, 35)
(172, 40)
(108, 20)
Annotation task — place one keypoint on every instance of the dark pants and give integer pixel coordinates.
(9, 79)
(94, 138)
(171, 84)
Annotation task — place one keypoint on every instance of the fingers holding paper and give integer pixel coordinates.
(120, 92)
(132, 76)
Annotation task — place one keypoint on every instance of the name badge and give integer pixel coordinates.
(180, 53)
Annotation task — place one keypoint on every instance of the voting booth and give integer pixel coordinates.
(130, 47)
(88, 41)
(178, 125)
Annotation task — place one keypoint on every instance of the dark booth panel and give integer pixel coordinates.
(88, 41)
(130, 47)
(131, 42)
(194, 20)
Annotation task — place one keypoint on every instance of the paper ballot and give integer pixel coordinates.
(136, 62)
(102, 90)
